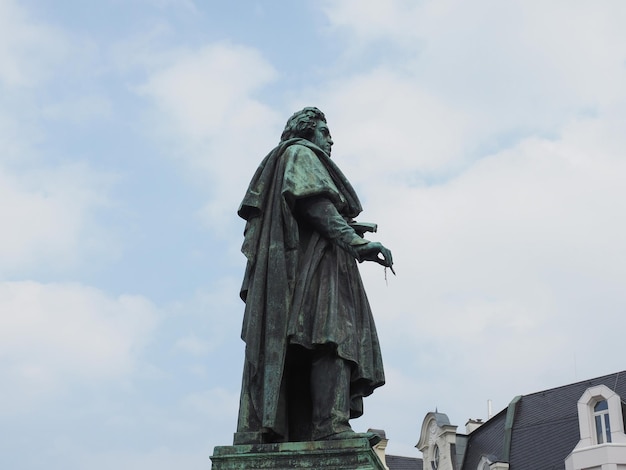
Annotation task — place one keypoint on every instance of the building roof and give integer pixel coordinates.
(536, 431)
(395, 462)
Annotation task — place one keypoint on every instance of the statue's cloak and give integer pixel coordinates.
(299, 287)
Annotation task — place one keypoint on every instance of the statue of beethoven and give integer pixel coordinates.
(312, 352)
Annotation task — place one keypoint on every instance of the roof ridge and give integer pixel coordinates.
(616, 374)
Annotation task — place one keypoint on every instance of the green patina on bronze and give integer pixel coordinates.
(353, 454)
(312, 352)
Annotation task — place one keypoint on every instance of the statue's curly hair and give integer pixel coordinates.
(302, 124)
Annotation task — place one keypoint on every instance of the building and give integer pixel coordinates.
(573, 427)
(394, 462)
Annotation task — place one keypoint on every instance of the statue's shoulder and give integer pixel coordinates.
(299, 146)
(301, 153)
(300, 150)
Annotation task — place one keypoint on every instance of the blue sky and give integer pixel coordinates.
(485, 138)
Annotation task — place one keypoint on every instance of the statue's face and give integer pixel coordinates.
(321, 137)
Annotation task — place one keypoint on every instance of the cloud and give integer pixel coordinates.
(50, 201)
(205, 91)
(509, 67)
(137, 383)
(47, 215)
(502, 270)
(193, 345)
(53, 336)
(208, 113)
(79, 110)
(208, 320)
(370, 20)
(216, 404)
(29, 50)
(385, 124)
(161, 458)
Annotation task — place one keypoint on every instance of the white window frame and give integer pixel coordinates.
(484, 463)
(587, 417)
(602, 423)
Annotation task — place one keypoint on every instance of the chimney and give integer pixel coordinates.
(381, 446)
(472, 425)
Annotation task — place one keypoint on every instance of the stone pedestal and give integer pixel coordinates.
(348, 454)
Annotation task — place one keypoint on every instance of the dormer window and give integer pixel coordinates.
(602, 422)
(600, 417)
(484, 464)
(602, 442)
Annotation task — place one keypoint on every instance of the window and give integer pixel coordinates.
(602, 422)
(484, 464)
(435, 462)
(602, 441)
(600, 417)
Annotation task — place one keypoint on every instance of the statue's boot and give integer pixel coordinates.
(330, 395)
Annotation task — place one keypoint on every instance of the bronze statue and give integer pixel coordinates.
(312, 352)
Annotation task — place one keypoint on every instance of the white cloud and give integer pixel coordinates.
(47, 215)
(79, 110)
(48, 211)
(29, 50)
(370, 20)
(505, 270)
(523, 65)
(205, 92)
(193, 345)
(217, 404)
(209, 318)
(386, 124)
(162, 457)
(208, 113)
(187, 5)
(55, 335)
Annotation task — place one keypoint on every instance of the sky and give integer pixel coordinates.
(486, 139)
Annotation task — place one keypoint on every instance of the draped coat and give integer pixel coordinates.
(302, 284)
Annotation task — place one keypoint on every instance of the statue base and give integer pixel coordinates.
(352, 454)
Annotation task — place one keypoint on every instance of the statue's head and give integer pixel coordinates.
(310, 124)
(302, 124)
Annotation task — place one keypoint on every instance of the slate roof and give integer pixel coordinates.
(487, 440)
(395, 462)
(544, 429)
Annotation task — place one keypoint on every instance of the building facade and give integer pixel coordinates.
(579, 426)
